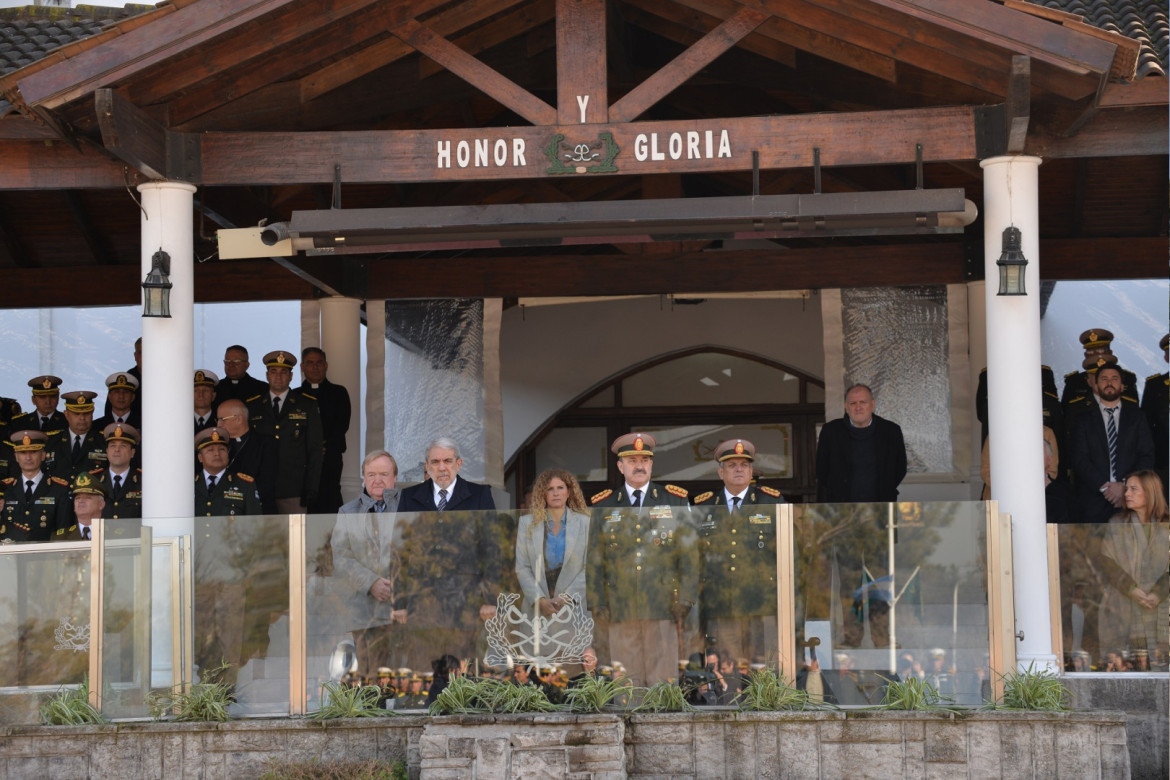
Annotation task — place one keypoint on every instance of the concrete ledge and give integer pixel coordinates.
(708, 744)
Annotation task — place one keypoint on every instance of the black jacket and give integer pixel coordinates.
(833, 460)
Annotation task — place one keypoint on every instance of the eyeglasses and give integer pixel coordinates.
(226, 417)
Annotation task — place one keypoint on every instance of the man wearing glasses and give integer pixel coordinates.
(237, 382)
(250, 452)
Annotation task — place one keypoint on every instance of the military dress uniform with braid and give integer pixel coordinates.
(61, 461)
(737, 584)
(36, 519)
(233, 494)
(300, 441)
(123, 502)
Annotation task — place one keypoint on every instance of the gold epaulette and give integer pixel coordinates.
(8, 481)
(1052, 395)
(59, 481)
(1152, 377)
(703, 497)
(1071, 373)
(676, 491)
(601, 496)
(244, 476)
(771, 491)
(98, 470)
(306, 395)
(1076, 400)
(69, 530)
(254, 398)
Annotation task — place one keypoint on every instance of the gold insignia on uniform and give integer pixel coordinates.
(703, 497)
(214, 435)
(639, 445)
(122, 379)
(677, 491)
(118, 431)
(244, 476)
(47, 384)
(199, 376)
(601, 496)
(773, 492)
(279, 357)
(739, 448)
(60, 481)
(27, 440)
(1092, 335)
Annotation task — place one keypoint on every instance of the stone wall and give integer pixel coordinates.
(1145, 701)
(715, 744)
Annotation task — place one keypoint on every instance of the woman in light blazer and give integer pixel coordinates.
(551, 543)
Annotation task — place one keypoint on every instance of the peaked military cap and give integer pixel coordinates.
(46, 384)
(209, 436)
(1096, 337)
(28, 440)
(84, 483)
(634, 444)
(280, 359)
(121, 432)
(205, 377)
(735, 448)
(122, 380)
(79, 400)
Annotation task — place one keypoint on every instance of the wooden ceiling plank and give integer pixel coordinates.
(517, 22)
(1119, 132)
(476, 73)
(93, 237)
(248, 48)
(138, 50)
(49, 165)
(385, 52)
(131, 135)
(582, 85)
(1018, 106)
(684, 66)
(16, 248)
(858, 138)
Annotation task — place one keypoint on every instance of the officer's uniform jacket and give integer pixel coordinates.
(299, 442)
(37, 520)
(59, 453)
(1076, 387)
(234, 494)
(32, 421)
(737, 553)
(129, 502)
(643, 562)
(1156, 405)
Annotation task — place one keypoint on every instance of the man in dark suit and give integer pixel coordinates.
(737, 548)
(250, 452)
(136, 372)
(1156, 405)
(1100, 469)
(35, 504)
(290, 416)
(862, 456)
(451, 559)
(333, 403)
(44, 416)
(642, 573)
(237, 382)
(204, 416)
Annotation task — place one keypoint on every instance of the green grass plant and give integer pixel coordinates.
(207, 701)
(1030, 689)
(342, 701)
(768, 691)
(664, 696)
(71, 707)
(508, 697)
(593, 693)
(913, 694)
(461, 696)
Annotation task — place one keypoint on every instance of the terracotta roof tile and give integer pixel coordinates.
(1142, 20)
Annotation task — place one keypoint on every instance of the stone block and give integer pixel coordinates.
(984, 750)
(491, 759)
(946, 743)
(710, 750)
(1111, 734)
(461, 747)
(740, 753)
(588, 754)
(861, 731)
(243, 741)
(449, 773)
(914, 730)
(1078, 753)
(665, 759)
(798, 749)
(1043, 750)
(914, 760)
(946, 771)
(542, 738)
(1115, 761)
(861, 759)
(539, 763)
(1016, 755)
(658, 733)
(767, 751)
(432, 746)
(599, 734)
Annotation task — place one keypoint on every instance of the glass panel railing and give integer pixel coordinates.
(125, 647)
(44, 624)
(889, 591)
(241, 609)
(1113, 596)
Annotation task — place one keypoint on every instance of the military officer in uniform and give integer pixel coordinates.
(89, 501)
(46, 392)
(217, 492)
(1156, 404)
(1079, 385)
(35, 503)
(333, 404)
(642, 568)
(292, 419)
(121, 390)
(79, 447)
(9, 408)
(120, 479)
(737, 548)
(205, 382)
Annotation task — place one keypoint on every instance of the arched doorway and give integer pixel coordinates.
(690, 400)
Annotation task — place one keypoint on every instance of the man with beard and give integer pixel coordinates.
(1107, 444)
(250, 452)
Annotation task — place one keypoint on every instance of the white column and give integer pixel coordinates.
(1015, 413)
(375, 400)
(341, 321)
(168, 363)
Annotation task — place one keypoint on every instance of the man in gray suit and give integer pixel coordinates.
(364, 556)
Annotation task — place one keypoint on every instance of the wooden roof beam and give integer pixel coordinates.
(1018, 105)
(582, 75)
(521, 20)
(687, 64)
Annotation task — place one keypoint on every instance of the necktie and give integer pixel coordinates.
(276, 406)
(85, 533)
(117, 486)
(379, 506)
(28, 487)
(735, 503)
(76, 449)
(210, 483)
(1111, 433)
(638, 497)
(442, 500)
(44, 423)
(199, 422)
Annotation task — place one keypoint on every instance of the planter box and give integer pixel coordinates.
(712, 744)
